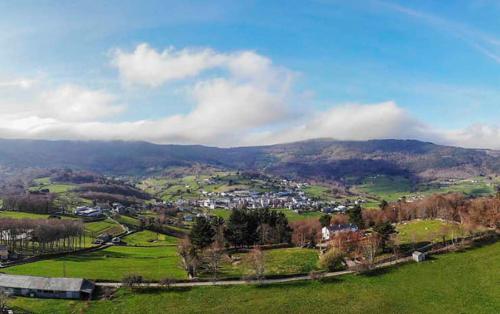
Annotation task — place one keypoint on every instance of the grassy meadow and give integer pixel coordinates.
(427, 230)
(149, 238)
(110, 264)
(285, 261)
(462, 282)
(103, 226)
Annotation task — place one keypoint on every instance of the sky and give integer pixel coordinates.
(239, 73)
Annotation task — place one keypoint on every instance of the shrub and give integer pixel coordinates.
(317, 275)
(332, 260)
(167, 282)
(132, 281)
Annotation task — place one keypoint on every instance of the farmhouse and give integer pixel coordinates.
(331, 230)
(88, 211)
(42, 287)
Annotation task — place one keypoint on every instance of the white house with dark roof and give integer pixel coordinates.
(328, 232)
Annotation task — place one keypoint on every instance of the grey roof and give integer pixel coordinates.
(41, 283)
(342, 227)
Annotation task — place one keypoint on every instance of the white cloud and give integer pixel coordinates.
(350, 122)
(22, 83)
(475, 136)
(148, 67)
(248, 101)
(74, 103)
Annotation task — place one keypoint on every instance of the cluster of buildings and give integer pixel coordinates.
(98, 211)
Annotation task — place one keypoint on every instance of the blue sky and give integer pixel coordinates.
(421, 69)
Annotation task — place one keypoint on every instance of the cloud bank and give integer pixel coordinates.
(239, 98)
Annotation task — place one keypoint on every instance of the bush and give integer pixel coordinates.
(132, 281)
(167, 282)
(316, 275)
(332, 260)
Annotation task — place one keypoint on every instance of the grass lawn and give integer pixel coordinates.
(21, 215)
(277, 262)
(98, 227)
(113, 263)
(425, 230)
(54, 188)
(452, 283)
(386, 187)
(293, 216)
(149, 238)
(127, 220)
(318, 192)
(24, 215)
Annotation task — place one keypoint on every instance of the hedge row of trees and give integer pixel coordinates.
(484, 211)
(31, 203)
(41, 236)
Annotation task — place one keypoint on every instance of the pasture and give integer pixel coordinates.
(110, 264)
(149, 238)
(465, 282)
(427, 230)
(285, 261)
(102, 226)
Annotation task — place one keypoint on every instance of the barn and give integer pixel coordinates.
(43, 287)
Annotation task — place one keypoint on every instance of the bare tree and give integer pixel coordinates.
(4, 297)
(189, 257)
(256, 261)
(369, 248)
(213, 256)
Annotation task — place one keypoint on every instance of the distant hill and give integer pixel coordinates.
(323, 159)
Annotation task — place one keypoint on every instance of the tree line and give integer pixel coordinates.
(31, 203)
(209, 238)
(41, 236)
(483, 211)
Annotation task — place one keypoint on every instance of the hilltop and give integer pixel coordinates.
(322, 159)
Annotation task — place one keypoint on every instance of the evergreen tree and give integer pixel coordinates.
(236, 232)
(356, 216)
(383, 204)
(384, 230)
(325, 220)
(202, 233)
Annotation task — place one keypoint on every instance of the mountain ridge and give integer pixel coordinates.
(324, 159)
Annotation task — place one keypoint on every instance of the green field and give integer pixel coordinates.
(452, 283)
(393, 188)
(113, 263)
(425, 231)
(318, 192)
(22, 215)
(149, 238)
(192, 186)
(127, 220)
(293, 216)
(474, 187)
(284, 261)
(45, 183)
(103, 226)
(386, 187)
